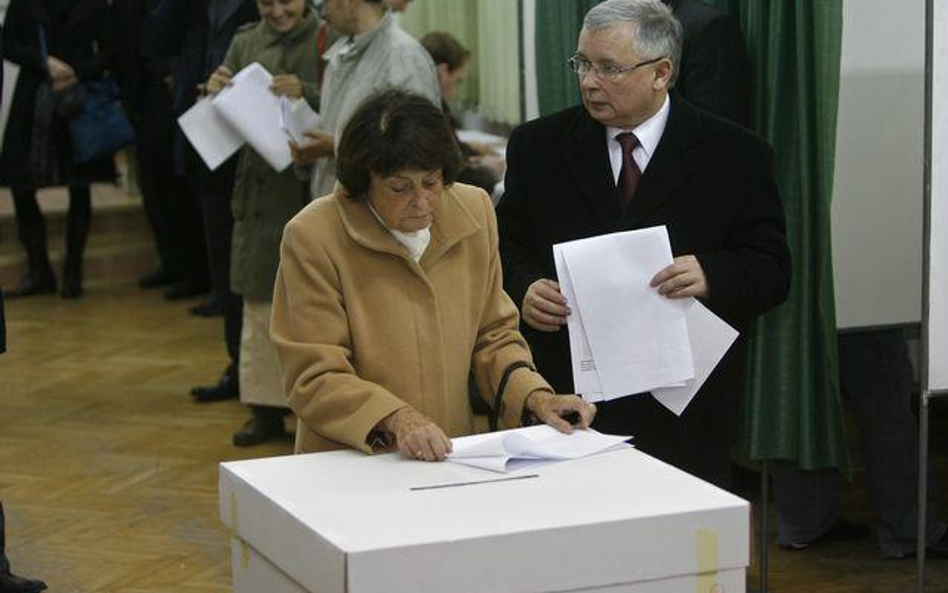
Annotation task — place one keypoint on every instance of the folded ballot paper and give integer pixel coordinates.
(296, 117)
(520, 448)
(625, 338)
(247, 111)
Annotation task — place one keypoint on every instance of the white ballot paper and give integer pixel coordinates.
(296, 117)
(710, 337)
(210, 134)
(249, 105)
(519, 448)
(638, 338)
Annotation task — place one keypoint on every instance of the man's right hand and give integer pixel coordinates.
(544, 307)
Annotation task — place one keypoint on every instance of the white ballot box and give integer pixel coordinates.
(344, 522)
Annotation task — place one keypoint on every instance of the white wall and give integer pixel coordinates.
(878, 196)
(938, 255)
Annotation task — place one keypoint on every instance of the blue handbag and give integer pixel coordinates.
(99, 127)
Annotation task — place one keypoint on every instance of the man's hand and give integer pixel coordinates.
(320, 145)
(684, 278)
(287, 85)
(552, 409)
(417, 436)
(544, 308)
(218, 80)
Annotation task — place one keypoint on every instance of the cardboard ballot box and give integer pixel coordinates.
(344, 522)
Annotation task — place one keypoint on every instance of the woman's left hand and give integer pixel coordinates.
(554, 409)
(416, 435)
(287, 85)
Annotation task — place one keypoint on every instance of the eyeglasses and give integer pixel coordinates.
(581, 66)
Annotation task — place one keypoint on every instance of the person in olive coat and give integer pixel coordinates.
(285, 43)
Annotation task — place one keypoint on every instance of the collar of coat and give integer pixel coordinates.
(307, 24)
(351, 48)
(453, 222)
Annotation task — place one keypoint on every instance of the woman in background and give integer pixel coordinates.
(285, 43)
(37, 144)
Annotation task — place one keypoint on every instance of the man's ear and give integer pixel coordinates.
(663, 74)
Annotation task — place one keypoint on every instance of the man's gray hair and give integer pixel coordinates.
(656, 33)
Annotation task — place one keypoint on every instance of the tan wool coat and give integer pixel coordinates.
(362, 330)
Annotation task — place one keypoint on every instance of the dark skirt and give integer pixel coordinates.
(24, 165)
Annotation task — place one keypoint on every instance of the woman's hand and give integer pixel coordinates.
(321, 145)
(287, 85)
(218, 80)
(417, 437)
(58, 69)
(555, 409)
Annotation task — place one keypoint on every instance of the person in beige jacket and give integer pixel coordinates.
(389, 296)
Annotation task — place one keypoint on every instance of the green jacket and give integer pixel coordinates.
(265, 200)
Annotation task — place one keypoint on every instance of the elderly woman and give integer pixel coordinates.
(389, 295)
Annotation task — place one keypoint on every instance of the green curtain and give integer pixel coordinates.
(500, 62)
(557, 29)
(792, 410)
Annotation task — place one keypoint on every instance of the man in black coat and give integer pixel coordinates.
(715, 70)
(198, 33)
(9, 582)
(710, 182)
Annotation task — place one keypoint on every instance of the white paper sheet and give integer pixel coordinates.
(585, 377)
(296, 117)
(511, 450)
(710, 337)
(249, 105)
(210, 134)
(638, 338)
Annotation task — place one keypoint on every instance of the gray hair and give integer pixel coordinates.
(656, 33)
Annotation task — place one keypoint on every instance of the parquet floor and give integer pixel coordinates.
(108, 472)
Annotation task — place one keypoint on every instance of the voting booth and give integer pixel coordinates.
(344, 522)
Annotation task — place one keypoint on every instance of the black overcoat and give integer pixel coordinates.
(711, 183)
(77, 33)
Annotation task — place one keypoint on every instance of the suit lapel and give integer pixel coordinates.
(588, 159)
(671, 164)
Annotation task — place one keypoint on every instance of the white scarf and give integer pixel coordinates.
(416, 242)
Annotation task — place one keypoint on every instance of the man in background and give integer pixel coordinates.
(372, 54)
(9, 582)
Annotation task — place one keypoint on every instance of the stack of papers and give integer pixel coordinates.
(247, 111)
(520, 448)
(625, 338)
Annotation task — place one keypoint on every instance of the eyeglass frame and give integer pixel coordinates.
(614, 73)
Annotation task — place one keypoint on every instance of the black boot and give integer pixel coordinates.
(31, 229)
(265, 424)
(10, 583)
(77, 230)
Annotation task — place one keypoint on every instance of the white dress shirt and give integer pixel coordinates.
(649, 132)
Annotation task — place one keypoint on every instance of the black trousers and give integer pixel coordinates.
(215, 189)
(4, 563)
(164, 195)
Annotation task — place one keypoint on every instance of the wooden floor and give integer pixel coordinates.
(108, 472)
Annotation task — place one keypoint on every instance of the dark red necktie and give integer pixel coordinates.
(630, 174)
